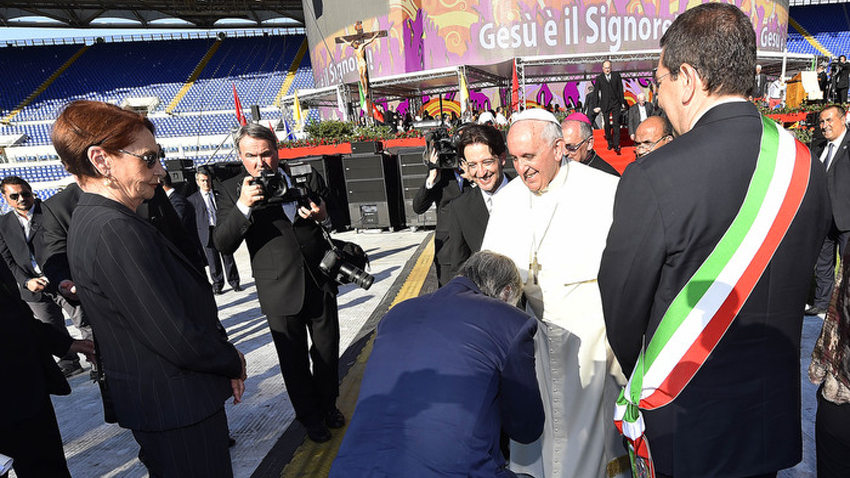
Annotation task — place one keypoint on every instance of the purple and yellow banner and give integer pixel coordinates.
(430, 34)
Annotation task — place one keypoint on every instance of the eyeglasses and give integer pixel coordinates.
(23, 194)
(647, 146)
(486, 164)
(150, 158)
(657, 79)
(572, 148)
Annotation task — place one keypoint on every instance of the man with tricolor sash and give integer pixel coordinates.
(706, 268)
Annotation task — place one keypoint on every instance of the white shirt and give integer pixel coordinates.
(836, 142)
(488, 196)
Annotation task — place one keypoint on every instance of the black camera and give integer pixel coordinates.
(337, 264)
(441, 141)
(276, 190)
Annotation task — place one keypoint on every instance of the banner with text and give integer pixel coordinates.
(429, 34)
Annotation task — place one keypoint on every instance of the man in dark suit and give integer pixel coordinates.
(204, 207)
(638, 112)
(286, 243)
(729, 386)
(841, 79)
(591, 104)
(483, 152)
(447, 371)
(28, 429)
(759, 84)
(21, 246)
(612, 101)
(441, 187)
(831, 151)
(578, 143)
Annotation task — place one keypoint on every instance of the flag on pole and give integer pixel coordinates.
(276, 140)
(514, 90)
(464, 94)
(376, 113)
(297, 114)
(287, 133)
(363, 106)
(240, 116)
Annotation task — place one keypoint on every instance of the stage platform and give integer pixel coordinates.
(269, 442)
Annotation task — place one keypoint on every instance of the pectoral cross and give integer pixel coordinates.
(534, 268)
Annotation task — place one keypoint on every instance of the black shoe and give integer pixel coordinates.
(230, 442)
(317, 431)
(815, 310)
(218, 291)
(617, 150)
(237, 288)
(334, 419)
(71, 369)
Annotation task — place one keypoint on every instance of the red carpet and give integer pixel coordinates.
(619, 161)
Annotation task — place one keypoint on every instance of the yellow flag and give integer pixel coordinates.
(297, 115)
(464, 94)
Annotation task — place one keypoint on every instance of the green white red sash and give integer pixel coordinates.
(706, 306)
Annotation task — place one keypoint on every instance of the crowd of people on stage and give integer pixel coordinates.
(589, 322)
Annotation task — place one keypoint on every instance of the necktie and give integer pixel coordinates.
(828, 156)
(210, 208)
(488, 200)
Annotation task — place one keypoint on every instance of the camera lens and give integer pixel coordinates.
(356, 276)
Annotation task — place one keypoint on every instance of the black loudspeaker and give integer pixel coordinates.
(372, 189)
(413, 173)
(370, 147)
(255, 112)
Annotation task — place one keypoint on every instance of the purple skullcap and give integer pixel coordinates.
(578, 117)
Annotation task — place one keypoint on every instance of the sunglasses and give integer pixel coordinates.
(574, 147)
(149, 158)
(23, 194)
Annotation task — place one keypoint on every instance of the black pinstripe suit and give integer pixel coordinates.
(167, 364)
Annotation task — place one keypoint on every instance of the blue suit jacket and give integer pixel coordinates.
(447, 371)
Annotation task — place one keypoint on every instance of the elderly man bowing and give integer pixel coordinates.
(534, 221)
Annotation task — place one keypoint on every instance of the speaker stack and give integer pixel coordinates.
(371, 184)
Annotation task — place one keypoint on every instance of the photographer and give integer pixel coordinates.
(444, 183)
(286, 245)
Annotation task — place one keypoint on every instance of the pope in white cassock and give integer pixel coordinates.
(553, 222)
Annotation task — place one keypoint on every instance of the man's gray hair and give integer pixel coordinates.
(552, 132)
(256, 131)
(496, 275)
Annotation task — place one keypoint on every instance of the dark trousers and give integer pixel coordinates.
(835, 241)
(214, 260)
(832, 438)
(612, 127)
(841, 95)
(36, 445)
(312, 392)
(196, 451)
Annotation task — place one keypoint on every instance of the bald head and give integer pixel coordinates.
(653, 133)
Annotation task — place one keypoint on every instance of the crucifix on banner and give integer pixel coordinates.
(359, 41)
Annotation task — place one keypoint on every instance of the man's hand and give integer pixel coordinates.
(68, 290)
(37, 285)
(252, 193)
(238, 386)
(316, 211)
(85, 347)
(433, 173)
